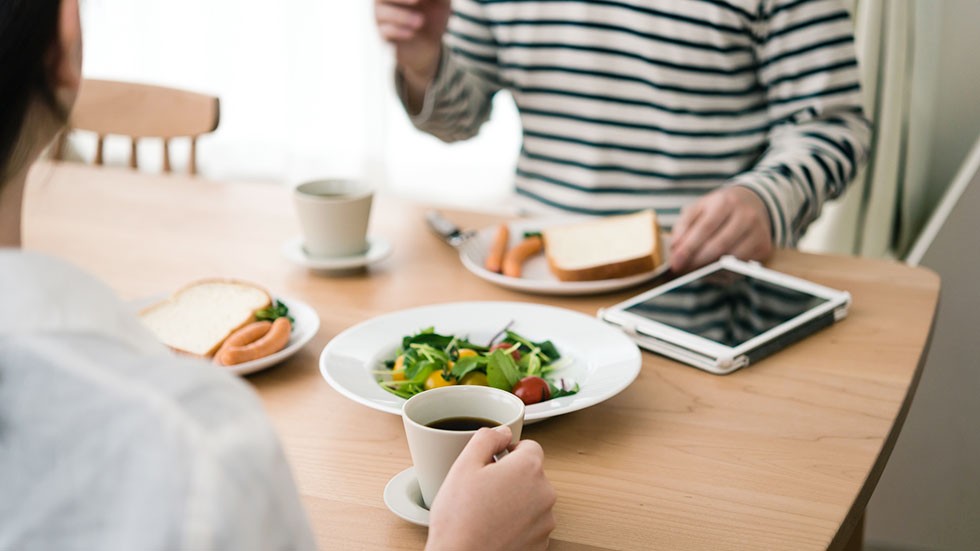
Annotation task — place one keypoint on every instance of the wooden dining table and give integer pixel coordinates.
(783, 454)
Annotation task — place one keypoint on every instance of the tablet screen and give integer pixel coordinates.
(727, 307)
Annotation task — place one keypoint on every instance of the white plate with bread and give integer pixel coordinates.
(231, 323)
(580, 256)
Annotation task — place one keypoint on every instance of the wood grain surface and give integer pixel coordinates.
(781, 455)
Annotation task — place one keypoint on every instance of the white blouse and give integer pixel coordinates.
(109, 441)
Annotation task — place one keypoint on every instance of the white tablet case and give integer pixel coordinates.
(715, 357)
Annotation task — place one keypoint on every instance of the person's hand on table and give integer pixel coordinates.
(415, 29)
(489, 505)
(731, 220)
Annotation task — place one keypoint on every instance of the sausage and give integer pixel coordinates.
(495, 258)
(248, 334)
(518, 254)
(242, 336)
(274, 340)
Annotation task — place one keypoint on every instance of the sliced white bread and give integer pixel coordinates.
(604, 248)
(199, 317)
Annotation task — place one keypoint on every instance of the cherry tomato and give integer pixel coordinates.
(532, 390)
(436, 380)
(475, 378)
(516, 354)
(467, 353)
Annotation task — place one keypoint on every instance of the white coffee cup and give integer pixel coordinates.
(434, 450)
(333, 216)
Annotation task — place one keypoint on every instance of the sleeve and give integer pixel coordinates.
(819, 136)
(459, 99)
(138, 452)
(241, 494)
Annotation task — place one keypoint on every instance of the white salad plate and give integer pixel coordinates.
(597, 356)
(378, 250)
(404, 497)
(536, 278)
(306, 324)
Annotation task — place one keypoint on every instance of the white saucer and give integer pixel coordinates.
(378, 250)
(404, 498)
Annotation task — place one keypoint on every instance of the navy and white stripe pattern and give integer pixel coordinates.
(726, 307)
(634, 104)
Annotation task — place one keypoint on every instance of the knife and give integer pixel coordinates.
(447, 230)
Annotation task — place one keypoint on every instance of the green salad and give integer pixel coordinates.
(513, 363)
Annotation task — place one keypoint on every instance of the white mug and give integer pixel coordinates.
(434, 450)
(333, 215)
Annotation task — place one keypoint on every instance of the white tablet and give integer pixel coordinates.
(727, 315)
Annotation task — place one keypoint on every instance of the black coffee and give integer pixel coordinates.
(462, 423)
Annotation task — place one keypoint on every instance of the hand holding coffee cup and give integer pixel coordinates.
(490, 505)
(483, 502)
(333, 216)
(440, 422)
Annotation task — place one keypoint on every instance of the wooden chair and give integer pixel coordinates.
(141, 111)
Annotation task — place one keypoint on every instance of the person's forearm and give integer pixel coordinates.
(450, 102)
(415, 85)
(819, 136)
(418, 72)
(806, 165)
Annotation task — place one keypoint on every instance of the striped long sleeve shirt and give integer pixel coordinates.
(635, 104)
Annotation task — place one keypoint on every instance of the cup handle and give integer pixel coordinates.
(501, 455)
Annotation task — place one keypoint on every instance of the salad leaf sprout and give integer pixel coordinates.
(455, 357)
(274, 312)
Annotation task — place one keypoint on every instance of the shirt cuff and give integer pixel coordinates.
(431, 92)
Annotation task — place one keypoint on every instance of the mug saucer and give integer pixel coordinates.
(378, 250)
(404, 498)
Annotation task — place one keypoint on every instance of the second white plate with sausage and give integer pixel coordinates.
(536, 277)
(306, 323)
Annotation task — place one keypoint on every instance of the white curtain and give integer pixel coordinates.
(291, 76)
(476, 174)
(305, 89)
(900, 49)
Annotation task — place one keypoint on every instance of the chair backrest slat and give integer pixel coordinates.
(143, 111)
(166, 155)
(100, 150)
(134, 153)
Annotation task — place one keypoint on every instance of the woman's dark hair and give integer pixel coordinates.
(28, 29)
